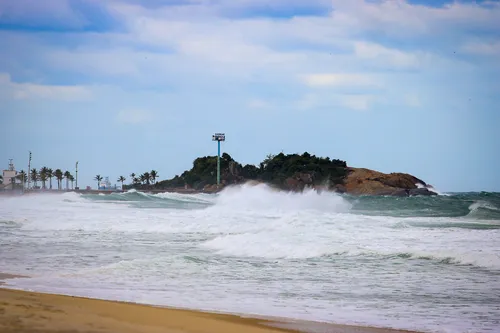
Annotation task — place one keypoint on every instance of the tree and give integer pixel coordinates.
(22, 177)
(132, 177)
(71, 179)
(145, 178)
(153, 174)
(98, 178)
(34, 176)
(59, 176)
(121, 179)
(275, 169)
(1, 179)
(50, 174)
(67, 175)
(43, 176)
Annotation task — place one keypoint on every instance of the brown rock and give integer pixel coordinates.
(370, 182)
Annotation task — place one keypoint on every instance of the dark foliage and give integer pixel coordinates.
(275, 169)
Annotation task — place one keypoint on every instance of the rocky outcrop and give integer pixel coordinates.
(361, 181)
(294, 172)
(299, 181)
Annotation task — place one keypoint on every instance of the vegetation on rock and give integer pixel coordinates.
(291, 172)
(279, 170)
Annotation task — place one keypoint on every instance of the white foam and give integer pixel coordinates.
(254, 249)
(262, 197)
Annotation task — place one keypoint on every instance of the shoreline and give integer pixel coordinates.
(29, 311)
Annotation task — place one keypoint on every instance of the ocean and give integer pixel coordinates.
(424, 263)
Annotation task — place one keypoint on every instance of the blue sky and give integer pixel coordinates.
(128, 86)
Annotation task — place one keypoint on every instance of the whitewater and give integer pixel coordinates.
(430, 264)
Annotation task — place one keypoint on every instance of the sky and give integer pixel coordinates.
(128, 86)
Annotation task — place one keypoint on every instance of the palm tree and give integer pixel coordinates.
(98, 178)
(132, 176)
(34, 176)
(59, 176)
(43, 176)
(22, 177)
(121, 179)
(67, 175)
(50, 174)
(71, 179)
(147, 177)
(153, 174)
(136, 180)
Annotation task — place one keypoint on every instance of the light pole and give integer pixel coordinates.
(76, 178)
(218, 137)
(29, 172)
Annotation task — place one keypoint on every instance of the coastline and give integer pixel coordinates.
(27, 311)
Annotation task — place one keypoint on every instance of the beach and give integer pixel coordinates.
(22, 311)
(426, 264)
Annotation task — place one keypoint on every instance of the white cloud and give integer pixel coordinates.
(135, 116)
(338, 79)
(194, 43)
(22, 91)
(483, 48)
(357, 102)
(383, 55)
(259, 104)
(401, 18)
(189, 46)
(333, 102)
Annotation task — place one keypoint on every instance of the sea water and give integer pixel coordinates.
(423, 263)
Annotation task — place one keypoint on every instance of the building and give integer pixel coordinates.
(9, 177)
(105, 184)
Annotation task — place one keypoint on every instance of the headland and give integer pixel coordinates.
(292, 172)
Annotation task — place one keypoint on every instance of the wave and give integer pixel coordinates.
(484, 209)
(148, 200)
(259, 245)
(264, 198)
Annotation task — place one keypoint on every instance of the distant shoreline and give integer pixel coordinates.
(155, 191)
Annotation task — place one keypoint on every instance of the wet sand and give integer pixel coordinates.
(4, 276)
(23, 312)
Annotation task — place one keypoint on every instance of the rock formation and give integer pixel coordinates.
(362, 181)
(295, 172)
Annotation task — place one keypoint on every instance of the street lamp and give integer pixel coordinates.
(76, 178)
(218, 137)
(29, 172)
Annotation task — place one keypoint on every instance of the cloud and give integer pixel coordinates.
(259, 104)
(491, 48)
(36, 13)
(338, 79)
(135, 116)
(357, 102)
(381, 55)
(22, 91)
(335, 102)
(401, 18)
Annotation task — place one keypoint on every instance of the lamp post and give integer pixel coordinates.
(218, 137)
(29, 172)
(76, 177)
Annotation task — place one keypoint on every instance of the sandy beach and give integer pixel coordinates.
(23, 312)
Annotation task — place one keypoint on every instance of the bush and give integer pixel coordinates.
(275, 169)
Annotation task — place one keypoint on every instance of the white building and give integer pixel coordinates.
(105, 184)
(9, 176)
